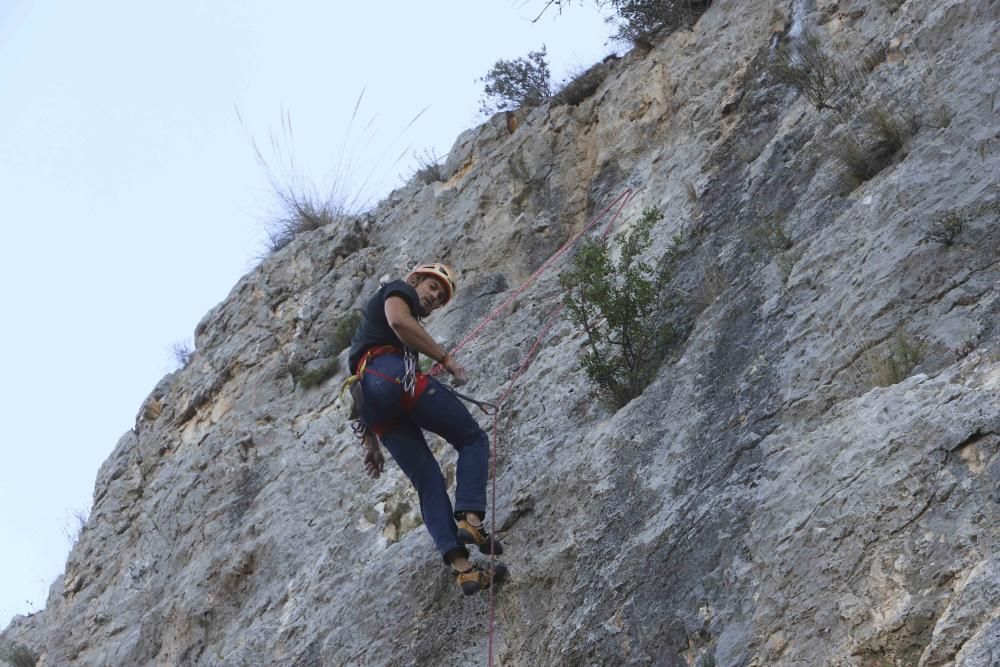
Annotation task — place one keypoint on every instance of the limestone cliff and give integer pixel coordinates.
(812, 479)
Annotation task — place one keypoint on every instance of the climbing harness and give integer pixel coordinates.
(414, 384)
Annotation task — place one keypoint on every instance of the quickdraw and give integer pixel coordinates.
(487, 407)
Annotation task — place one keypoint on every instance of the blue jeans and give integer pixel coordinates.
(437, 410)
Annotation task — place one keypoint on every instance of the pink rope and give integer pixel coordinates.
(528, 359)
(627, 195)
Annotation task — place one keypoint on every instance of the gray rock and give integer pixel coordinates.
(786, 492)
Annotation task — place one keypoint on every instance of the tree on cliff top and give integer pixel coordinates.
(637, 21)
(513, 84)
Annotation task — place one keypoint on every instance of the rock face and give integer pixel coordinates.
(812, 479)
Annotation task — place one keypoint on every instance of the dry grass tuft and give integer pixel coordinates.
(182, 353)
(301, 204)
(430, 168)
(885, 133)
(809, 70)
(945, 227)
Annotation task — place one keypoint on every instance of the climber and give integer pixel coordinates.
(397, 401)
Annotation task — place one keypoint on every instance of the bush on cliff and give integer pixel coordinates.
(518, 83)
(637, 21)
(620, 306)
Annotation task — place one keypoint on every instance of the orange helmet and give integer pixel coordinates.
(442, 272)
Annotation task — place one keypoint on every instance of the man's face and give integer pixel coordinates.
(431, 292)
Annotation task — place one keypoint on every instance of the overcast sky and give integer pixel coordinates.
(131, 202)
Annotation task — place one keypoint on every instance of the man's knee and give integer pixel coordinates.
(477, 438)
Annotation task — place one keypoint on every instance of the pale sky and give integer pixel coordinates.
(131, 202)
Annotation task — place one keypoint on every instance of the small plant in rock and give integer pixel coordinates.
(787, 260)
(945, 227)
(583, 83)
(430, 168)
(707, 660)
(966, 346)
(941, 116)
(709, 287)
(518, 83)
(883, 367)
(182, 353)
(17, 655)
(620, 306)
(339, 339)
(74, 526)
(804, 66)
(884, 134)
(891, 127)
(302, 213)
(314, 377)
(691, 191)
(893, 5)
(770, 235)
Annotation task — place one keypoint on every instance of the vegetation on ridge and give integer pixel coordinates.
(515, 84)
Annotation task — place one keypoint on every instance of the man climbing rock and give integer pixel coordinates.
(398, 401)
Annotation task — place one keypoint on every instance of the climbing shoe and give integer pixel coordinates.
(478, 578)
(477, 535)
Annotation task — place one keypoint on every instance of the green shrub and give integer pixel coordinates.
(620, 307)
(638, 21)
(314, 377)
(891, 128)
(711, 283)
(513, 84)
(338, 340)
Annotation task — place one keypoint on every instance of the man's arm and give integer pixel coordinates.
(414, 336)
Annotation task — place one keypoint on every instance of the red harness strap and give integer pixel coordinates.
(408, 401)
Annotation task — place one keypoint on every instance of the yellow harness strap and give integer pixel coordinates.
(360, 371)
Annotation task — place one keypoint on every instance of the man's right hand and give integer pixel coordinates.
(457, 371)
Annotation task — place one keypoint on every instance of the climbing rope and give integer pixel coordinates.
(621, 201)
(626, 196)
